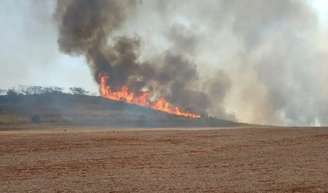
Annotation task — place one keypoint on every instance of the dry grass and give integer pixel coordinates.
(8, 118)
(236, 160)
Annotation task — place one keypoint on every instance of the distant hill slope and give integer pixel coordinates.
(90, 110)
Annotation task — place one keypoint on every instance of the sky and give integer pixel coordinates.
(30, 55)
(31, 36)
(321, 8)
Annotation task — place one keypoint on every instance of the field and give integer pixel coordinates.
(217, 160)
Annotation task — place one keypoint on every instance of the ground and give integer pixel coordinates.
(213, 160)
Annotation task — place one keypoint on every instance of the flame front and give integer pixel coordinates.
(142, 99)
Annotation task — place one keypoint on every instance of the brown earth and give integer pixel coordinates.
(230, 160)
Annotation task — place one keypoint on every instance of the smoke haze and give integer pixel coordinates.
(251, 61)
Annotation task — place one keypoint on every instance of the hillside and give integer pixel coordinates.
(90, 110)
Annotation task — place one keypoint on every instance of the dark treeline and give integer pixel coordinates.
(39, 90)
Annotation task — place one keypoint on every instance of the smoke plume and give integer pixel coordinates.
(254, 61)
(86, 27)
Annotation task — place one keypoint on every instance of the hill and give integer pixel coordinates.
(90, 110)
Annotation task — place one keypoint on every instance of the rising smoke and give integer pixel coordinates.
(249, 60)
(86, 26)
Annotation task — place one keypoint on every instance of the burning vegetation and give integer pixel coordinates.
(87, 26)
(143, 98)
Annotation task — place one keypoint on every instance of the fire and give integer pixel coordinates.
(141, 99)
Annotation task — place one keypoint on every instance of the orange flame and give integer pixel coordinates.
(142, 99)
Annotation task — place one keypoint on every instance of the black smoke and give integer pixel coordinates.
(85, 28)
(258, 61)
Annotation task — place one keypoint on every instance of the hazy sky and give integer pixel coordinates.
(29, 52)
(29, 55)
(321, 7)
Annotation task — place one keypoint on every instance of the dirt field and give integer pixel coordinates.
(235, 160)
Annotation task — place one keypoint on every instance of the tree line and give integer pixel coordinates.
(39, 90)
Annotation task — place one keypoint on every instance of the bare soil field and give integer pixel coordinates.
(223, 160)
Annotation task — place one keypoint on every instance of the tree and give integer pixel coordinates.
(33, 90)
(53, 90)
(36, 119)
(78, 91)
(57, 90)
(12, 93)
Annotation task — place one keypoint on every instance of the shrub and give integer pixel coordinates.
(36, 119)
